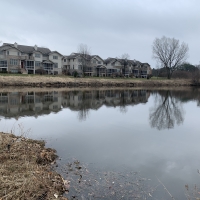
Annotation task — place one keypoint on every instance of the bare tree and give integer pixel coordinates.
(85, 57)
(169, 53)
(124, 61)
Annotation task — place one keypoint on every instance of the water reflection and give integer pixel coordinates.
(18, 104)
(83, 101)
(167, 111)
(102, 141)
(165, 114)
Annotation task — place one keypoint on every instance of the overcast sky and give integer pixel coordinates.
(109, 27)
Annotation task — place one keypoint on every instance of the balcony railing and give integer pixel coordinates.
(88, 71)
(29, 67)
(21, 57)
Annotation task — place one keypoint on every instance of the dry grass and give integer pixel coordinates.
(23, 79)
(25, 168)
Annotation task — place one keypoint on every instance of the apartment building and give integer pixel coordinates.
(16, 58)
(127, 68)
(90, 65)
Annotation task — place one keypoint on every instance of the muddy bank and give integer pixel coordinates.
(63, 81)
(26, 170)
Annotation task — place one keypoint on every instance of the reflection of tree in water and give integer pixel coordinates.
(123, 104)
(83, 114)
(84, 107)
(167, 111)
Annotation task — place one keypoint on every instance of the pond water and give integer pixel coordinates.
(113, 144)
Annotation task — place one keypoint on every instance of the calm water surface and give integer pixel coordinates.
(153, 132)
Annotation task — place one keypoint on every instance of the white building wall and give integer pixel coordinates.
(59, 61)
(13, 52)
(40, 59)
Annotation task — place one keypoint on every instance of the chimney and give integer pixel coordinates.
(15, 44)
(35, 47)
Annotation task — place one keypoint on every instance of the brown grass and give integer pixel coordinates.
(25, 168)
(37, 79)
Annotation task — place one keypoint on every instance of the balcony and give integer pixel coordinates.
(47, 66)
(25, 57)
(3, 64)
(30, 67)
(88, 70)
(21, 57)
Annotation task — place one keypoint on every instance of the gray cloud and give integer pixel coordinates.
(109, 28)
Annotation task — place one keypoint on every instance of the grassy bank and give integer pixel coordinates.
(26, 170)
(66, 81)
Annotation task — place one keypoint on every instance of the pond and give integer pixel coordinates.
(114, 143)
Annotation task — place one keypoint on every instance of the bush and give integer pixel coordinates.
(182, 74)
(75, 73)
(40, 71)
(3, 72)
(196, 77)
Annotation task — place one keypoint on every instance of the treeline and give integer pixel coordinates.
(187, 71)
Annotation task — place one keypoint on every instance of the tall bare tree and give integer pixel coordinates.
(170, 53)
(124, 61)
(85, 57)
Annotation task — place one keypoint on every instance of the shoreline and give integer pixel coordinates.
(27, 169)
(68, 82)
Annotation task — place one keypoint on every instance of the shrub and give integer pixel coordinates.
(75, 73)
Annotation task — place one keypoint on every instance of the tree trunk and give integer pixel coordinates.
(168, 73)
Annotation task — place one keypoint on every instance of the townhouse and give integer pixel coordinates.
(95, 66)
(90, 65)
(16, 58)
(127, 68)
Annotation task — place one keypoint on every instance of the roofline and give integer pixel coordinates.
(10, 46)
(55, 52)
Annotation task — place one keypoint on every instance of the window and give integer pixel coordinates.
(55, 107)
(7, 52)
(55, 65)
(37, 55)
(80, 67)
(29, 63)
(94, 61)
(37, 63)
(64, 60)
(55, 57)
(55, 99)
(99, 62)
(13, 62)
(18, 53)
(15, 71)
(1, 52)
(3, 63)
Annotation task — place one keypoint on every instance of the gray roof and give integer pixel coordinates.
(30, 49)
(110, 60)
(75, 55)
(47, 61)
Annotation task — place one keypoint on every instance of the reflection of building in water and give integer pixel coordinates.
(94, 99)
(83, 101)
(17, 104)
